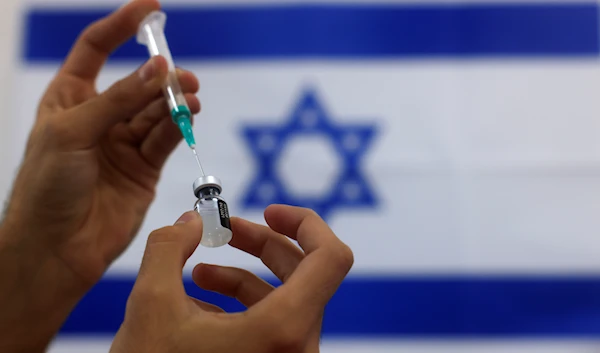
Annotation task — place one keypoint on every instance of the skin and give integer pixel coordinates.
(88, 177)
(161, 317)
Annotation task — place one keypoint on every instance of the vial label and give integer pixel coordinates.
(224, 214)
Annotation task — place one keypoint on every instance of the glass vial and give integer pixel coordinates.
(214, 211)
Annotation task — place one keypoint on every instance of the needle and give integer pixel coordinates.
(198, 160)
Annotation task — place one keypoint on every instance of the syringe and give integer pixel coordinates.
(151, 33)
(210, 205)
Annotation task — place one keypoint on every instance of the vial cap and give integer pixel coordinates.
(207, 182)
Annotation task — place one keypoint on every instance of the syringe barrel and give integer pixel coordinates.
(151, 33)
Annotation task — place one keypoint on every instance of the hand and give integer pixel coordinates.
(162, 318)
(88, 177)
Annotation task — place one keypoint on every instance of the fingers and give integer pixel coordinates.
(160, 143)
(88, 122)
(275, 250)
(301, 224)
(242, 285)
(325, 266)
(166, 252)
(158, 110)
(164, 136)
(100, 39)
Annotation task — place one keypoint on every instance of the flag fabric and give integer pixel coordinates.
(455, 146)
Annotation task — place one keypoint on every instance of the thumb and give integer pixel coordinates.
(167, 251)
(121, 102)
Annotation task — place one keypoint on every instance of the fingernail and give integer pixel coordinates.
(187, 217)
(148, 71)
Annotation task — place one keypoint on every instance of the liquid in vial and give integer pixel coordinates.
(214, 212)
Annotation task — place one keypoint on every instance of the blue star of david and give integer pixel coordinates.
(351, 142)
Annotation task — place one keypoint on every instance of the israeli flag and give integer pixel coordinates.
(455, 146)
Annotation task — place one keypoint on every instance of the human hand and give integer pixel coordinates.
(161, 317)
(88, 177)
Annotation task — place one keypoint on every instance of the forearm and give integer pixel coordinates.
(36, 295)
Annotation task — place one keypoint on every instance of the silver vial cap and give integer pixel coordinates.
(207, 182)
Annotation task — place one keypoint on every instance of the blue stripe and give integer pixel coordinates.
(343, 32)
(459, 307)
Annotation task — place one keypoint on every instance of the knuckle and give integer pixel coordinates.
(136, 299)
(287, 338)
(156, 293)
(343, 257)
(119, 95)
(89, 36)
(247, 275)
(311, 217)
(311, 214)
(164, 235)
(147, 292)
(346, 257)
(290, 340)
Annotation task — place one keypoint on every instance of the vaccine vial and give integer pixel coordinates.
(214, 211)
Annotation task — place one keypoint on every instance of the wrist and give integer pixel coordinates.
(36, 295)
